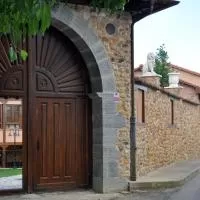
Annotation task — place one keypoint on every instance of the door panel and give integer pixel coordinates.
(69, 139)
(61, 145)
(82, 141)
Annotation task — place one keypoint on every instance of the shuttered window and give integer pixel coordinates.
(13, 115)
(1, 116)
(172, 111)
(140, 106)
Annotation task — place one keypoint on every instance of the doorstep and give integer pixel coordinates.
(71, 195)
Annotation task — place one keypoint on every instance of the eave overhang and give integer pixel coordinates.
(142, 8)
(138, 8)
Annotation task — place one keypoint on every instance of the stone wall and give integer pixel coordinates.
(159, 142)
(114, 31)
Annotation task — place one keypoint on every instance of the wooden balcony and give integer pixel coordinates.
(10, 136)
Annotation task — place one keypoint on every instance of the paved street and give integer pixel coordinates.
(12, 182)
(190, 191)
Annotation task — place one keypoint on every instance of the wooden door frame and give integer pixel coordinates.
(30, 108)
(27, 102)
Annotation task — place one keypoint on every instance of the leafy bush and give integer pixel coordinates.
(162, 65)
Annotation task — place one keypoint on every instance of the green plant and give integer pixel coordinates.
(6, 172)
(162, 65)
(111, 5)
(20, 18)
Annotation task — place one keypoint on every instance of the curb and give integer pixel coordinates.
(135, 185)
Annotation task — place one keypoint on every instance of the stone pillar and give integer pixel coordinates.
(106, 120)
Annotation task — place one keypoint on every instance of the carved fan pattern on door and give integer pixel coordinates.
(58, 65)
(11, 74)
(61, 111)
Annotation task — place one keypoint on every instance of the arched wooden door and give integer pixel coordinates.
(53, 84)
(60, 109)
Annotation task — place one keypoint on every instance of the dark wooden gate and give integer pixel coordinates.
(62, 143)
(54, 85)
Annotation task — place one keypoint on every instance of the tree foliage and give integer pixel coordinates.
(112, 5)
(20, 18)
(34, 16)
(162, 65)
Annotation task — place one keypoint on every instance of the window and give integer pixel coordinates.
(140, 106)
(172, 111)
(13, 116)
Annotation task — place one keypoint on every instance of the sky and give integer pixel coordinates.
(178, 28)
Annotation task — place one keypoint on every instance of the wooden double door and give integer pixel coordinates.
(53, 84)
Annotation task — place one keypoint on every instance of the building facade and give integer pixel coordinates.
(74, 132)
(167, 125)
(10, 133)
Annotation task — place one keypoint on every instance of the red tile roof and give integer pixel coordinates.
(172, 66)
(184, 69)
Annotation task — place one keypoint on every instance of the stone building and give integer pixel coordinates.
(168, 124)
(74, 133)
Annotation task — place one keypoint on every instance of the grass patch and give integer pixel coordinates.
(6, 172)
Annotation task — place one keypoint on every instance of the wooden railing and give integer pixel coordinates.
(10, 136)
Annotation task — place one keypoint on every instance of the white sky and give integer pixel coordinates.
(178, 28)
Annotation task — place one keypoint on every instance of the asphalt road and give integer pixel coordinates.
(190, 191)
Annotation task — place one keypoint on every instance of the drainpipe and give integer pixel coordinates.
(130, 8)
(132, 117)
(133, 147)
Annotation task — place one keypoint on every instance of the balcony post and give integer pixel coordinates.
(4, 157)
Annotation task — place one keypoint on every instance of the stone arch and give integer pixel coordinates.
(87, 42)
(106, 119)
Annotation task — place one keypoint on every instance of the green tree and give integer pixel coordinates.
(162, 65)
(34, 16)
(111, 5)
(20, 18)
